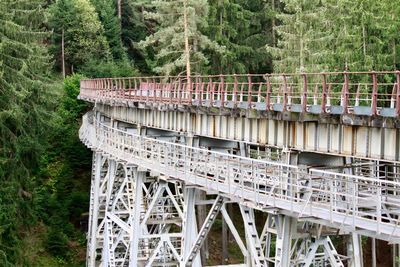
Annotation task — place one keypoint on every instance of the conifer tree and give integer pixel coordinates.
(83, 32)
(24, 103)
(304, 37)
(136, 28)
(168, 41)
(229, 26)
(112, 27)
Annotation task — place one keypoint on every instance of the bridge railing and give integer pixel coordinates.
(362, 93)
(355, 201)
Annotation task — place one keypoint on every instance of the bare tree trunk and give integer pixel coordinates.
(364, 41)
(62, 53)
(186, 36)
(273, 23)
(394, 53)
(119, 9)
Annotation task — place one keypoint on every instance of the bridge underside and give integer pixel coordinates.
(158, 188)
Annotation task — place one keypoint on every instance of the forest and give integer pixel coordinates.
(47, 46)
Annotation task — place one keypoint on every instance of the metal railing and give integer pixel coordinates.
(352, 201)
(361, 93)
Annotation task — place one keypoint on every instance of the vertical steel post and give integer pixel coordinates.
(189, 227)
(94, 212)
(136, 230)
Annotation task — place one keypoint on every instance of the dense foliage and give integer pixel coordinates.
(44, 169)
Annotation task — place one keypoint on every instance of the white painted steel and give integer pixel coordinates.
(380, 143)
(354, 202)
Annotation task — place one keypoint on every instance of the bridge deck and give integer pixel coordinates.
(364, 202)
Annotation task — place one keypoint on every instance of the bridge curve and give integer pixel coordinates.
(334, 93)
(145, 175)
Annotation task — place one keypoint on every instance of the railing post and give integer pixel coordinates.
(345, 93)
(234, 93)
(189, 90)
(285, 93)
(324, 93)
(304, 95)
(196, 93)
(398, 93)
(249, 93)
(374, 100)
(180, 90)
(269, 91)
(140, 89)
(211, 84)
(222, 84)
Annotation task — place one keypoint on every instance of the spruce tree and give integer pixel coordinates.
(135, 29)
(83, 32)
(168, 41)
(24, 104)
(112, 27)
(304, 37)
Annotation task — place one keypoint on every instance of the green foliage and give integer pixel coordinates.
(135, 29)
(168, 42)
(240, 26)
(304, 34)
(337, 35)
(84, 34)
(104, 69)
(57, 243)
(112, 27)
(62, 193)
(25, 105)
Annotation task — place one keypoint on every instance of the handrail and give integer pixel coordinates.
(354, 201)
(328, 92)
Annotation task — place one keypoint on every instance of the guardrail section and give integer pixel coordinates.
(359, 93)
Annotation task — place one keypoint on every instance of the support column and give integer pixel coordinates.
(354, 249)
(135, 225)
(108, 255)
(286, 226)
(94, 211)
(190, 226)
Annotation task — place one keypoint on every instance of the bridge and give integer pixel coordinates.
(170, 155)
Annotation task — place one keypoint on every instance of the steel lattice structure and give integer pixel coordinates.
(145, 187)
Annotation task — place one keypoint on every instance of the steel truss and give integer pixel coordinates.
(143, 204)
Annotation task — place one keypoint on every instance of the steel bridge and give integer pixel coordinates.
(171, 154)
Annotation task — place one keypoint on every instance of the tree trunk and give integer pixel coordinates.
(119, 9)
(186, 36)
(62, 54)
(273, 23)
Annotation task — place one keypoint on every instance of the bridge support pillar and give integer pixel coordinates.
(355, 250)
(286, 227)
(136, 230)
(94, 207)
(189, 226)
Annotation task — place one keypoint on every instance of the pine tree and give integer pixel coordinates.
(83, 32)
(168, 41)
(112, 27)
